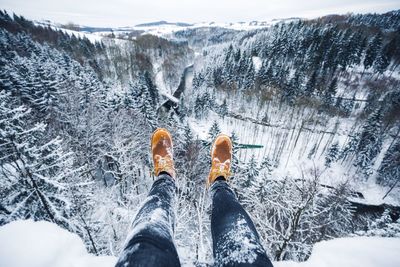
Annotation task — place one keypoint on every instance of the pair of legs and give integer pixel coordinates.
(235, 239)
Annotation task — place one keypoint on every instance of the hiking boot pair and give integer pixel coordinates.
(162, 153)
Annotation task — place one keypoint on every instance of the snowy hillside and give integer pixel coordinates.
(312, 106)
(161, 28)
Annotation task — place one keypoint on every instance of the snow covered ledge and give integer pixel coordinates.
(44, 244)
(352, 252)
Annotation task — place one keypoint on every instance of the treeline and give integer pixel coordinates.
(322, 65)
(81, 49)
(301, 60)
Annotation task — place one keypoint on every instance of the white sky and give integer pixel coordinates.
(131, 12)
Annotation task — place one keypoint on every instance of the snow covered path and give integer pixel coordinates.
(44, 244)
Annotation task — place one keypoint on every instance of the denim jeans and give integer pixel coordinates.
(235, 239)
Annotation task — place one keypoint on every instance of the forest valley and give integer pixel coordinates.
(313, 108)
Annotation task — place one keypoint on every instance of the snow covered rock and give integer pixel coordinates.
(352, 252)
(44, 244)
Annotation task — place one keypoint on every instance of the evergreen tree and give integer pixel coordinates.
(198, 107)
(265, 74)
(370, 141)
(250, 172)
(148, 110)
(330, 93)
(188, 138)
(311, 83)
(235, 166)
(389, 170)
(34, 173)
(385, 56)
(223, 109)
(151, 88)
(214, 131)
(372, 50)
(266, 165)
(333, 154)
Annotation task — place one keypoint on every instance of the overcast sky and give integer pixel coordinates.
(131, 12)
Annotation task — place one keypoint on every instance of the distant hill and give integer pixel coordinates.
(163, 22)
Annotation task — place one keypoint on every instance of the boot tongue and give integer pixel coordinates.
(164, 164)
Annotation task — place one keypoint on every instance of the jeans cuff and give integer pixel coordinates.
(164, 178)
(220, 185)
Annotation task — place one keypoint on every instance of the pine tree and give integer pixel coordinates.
(370, 141)
(330, 93)
(389, 170)
(266, 166)
(265, 74)
(250, 173)
(223, 109)
(214, 131)
(372, 50)
(311, 83)
(385, 56)
(235, 166)
(188, 138)
(141, 96)
(34, 172)
(148, 110)
(151, 88)
(198, 107)
(333, 154)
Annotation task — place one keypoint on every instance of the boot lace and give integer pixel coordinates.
(164, 164)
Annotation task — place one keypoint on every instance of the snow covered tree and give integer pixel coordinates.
(330, 93)
(223, 109)
(198, 107)
(266, 165)
(148, 110)
(383, 226)
(299, 214)
(235, 166)
(34, 172)
(385, 56)
(250, 172)
(372, 50)
(332, 155)
(214, 131)
(389, 170)
(310, 85)
(370, 141)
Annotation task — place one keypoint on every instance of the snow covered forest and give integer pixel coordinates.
(313, 108)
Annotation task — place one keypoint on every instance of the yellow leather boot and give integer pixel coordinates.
(162, 152)
(221, 157)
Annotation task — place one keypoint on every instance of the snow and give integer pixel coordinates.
(170, 97)
(166, 30)
(44, 244)
(159, 79)
(352, 252)
(257, 62)
(92, 37)
(241, 240)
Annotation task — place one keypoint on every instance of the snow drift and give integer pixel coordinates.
(42, 244)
